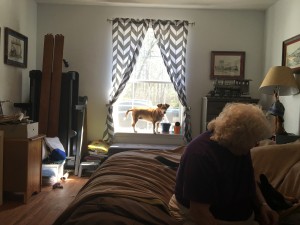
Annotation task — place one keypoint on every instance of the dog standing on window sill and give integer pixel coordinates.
(154, 115)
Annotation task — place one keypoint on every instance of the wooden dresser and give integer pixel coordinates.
(212, 106)
(22, 165)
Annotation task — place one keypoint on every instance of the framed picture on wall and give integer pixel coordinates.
(15, 48)
(291, 53)
(227, 65)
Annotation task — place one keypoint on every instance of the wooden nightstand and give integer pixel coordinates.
(22, 162)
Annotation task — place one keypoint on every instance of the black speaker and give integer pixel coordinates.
(34, 95)
(68, 113)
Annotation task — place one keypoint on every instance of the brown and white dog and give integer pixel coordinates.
(154, 115)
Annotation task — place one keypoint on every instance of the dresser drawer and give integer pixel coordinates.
(212, 106)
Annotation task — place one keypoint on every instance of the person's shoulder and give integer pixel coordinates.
(203, 137)
(200, 141)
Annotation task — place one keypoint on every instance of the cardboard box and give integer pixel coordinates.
(22, 130)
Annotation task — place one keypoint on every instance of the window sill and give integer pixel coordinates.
(147, 138)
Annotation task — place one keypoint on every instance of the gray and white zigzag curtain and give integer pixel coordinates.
(127, 37)
(172, 41)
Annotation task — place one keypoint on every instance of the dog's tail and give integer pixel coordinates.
(129, 110)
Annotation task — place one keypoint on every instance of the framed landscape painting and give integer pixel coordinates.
(227, 65)
(15, 48)
(291, 53)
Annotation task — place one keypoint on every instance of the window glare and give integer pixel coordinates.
(148, 86)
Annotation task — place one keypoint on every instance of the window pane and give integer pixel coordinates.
(148, 86)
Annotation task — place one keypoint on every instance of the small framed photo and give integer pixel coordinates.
(227, 65)
(291, 53)
(15, 48)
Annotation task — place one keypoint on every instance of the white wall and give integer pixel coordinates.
(21, 17)
(282, 23)
(88, 49)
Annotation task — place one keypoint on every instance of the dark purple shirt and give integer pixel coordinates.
(211, 174)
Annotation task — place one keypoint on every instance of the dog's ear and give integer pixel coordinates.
(167, 105)
(159, 105)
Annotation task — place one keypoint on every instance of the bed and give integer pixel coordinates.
(133, 187)
(130, 187)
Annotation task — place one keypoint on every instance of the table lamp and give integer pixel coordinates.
(279, 81)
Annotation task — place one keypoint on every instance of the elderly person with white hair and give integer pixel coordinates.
(215, 182)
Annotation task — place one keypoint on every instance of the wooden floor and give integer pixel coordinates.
(42, 208)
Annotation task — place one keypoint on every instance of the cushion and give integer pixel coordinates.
(54, 143)
(280, 163)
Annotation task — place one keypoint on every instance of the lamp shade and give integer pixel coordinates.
(281, 79)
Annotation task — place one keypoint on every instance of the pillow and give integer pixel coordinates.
(57, 151)
(54, 143)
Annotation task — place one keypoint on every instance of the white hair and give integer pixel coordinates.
(240, 126)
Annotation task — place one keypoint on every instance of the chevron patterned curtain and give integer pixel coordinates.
(127, 38)
(172, 40)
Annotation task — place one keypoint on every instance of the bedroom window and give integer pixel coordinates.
(149, 85)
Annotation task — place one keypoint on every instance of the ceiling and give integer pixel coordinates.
(187, 4)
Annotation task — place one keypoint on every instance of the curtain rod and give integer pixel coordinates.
(192, 23)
